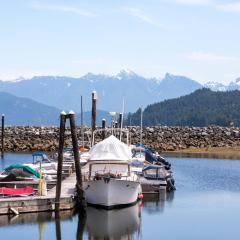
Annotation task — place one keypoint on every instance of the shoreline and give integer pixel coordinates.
(212, 140)
(214, 152)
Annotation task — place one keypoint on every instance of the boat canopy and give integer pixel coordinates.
(40, 154)
(110, 148)
(40, 157)
(24, 168)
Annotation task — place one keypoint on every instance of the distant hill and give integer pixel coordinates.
(65, 92)
(200, 108)
(24, 111)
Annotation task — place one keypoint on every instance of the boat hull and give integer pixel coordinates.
(111, 193)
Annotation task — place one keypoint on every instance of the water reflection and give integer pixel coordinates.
(155, 203)
(31, 218)
(121, 224)
(207, 200)
(114, 224)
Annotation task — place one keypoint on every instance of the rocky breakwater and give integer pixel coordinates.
(177, 138)
(28, 139)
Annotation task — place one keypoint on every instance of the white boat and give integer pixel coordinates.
(108, 179)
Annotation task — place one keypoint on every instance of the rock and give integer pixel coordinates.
(159, 138)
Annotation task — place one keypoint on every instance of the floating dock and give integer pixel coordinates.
(17, 205)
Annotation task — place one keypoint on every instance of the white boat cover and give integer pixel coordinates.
(110, 148)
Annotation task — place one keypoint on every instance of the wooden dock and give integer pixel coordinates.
(63, 195)
(17, 205)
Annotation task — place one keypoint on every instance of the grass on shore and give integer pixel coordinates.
(217, 152)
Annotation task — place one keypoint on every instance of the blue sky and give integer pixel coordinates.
(196, 38)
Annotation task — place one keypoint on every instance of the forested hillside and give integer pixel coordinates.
(200, 108)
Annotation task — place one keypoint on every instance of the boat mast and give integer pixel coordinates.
(82, 132)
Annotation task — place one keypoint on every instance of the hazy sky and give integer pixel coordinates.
(196, 38)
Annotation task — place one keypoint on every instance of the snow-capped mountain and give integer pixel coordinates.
(65, 92)
(235, 85)
(125, 73)
(215, 86)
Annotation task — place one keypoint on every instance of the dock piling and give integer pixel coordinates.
(60, 161)
(2, 136)
(103, 127)
(94, 110)
(80, 192)
(120, 120)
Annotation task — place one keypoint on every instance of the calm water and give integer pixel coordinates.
(206, 205)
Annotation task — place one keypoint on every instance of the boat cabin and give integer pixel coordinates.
(156, 172)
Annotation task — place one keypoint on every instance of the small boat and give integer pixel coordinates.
(16, 192)
(157, 177)
(108, 179)
(154, 170)
(48, 167)
(17, 172)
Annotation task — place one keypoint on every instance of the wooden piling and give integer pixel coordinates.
(103, 128)
(94, 110)
(80, 192)
(2, 137)
(60, 161)
(120, 122)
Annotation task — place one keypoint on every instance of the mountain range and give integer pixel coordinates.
(39, 100)
(65, 92)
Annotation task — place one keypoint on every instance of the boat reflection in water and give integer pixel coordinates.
(114, 224)
(125, 223)
(155, 203)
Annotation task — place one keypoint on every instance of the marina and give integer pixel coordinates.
(207, 199)
(106, 178)
(120, 120)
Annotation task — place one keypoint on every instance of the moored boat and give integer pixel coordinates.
(108, 179)
(156, 177)
(153, 169)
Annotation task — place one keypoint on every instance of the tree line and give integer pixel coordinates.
(200, 108)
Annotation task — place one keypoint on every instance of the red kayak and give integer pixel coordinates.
(15, 192)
